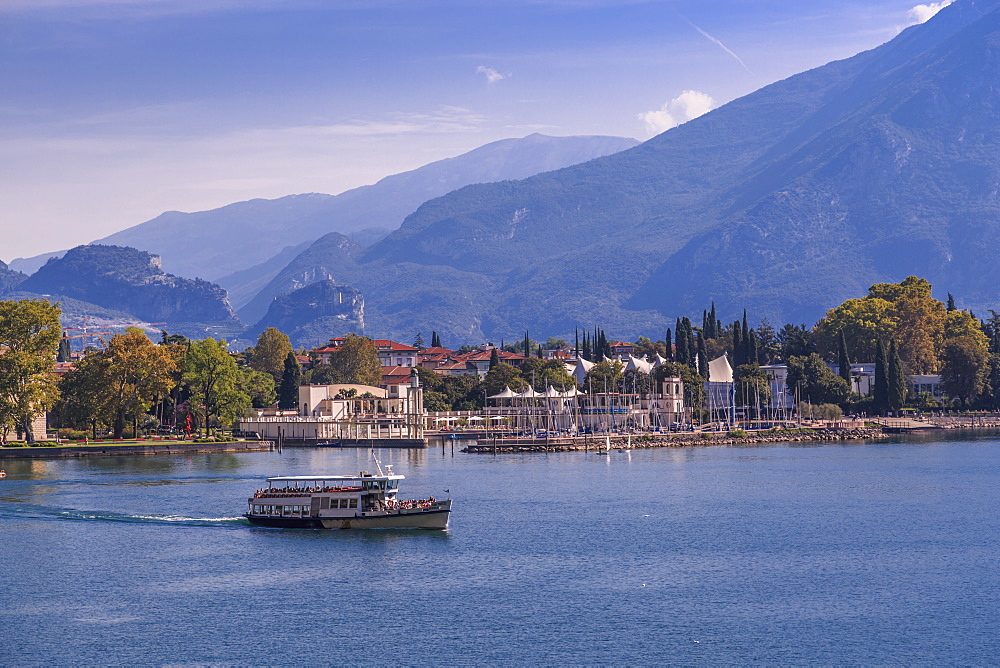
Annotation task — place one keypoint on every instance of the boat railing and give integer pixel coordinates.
(305, 491)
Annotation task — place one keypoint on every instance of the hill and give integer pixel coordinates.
(309, 313)
(214, 244)
(131, 281)
(785, 201)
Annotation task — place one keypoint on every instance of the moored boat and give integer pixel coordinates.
(363, 501)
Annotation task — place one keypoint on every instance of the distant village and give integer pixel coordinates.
(894, 351)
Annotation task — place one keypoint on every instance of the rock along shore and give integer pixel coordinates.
(127, 449)
(643, 441)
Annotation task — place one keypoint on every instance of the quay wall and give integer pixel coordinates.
(690, 439)
(115, 450)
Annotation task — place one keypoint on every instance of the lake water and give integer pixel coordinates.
(859, 553)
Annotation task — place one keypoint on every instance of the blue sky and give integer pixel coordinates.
(114, 111)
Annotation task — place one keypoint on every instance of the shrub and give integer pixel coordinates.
(738, 433)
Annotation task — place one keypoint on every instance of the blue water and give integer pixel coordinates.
(861, 553)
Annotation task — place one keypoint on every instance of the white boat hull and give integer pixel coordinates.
(434, 517)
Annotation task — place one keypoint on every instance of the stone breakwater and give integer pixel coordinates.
(689, 439)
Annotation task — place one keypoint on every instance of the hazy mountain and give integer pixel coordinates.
(785, 201)
(214, 244)
(323, 259)
(9, 279)
(131, 281)
(308, 314)
(29, 265)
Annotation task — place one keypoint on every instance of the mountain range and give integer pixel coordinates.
(785, 202)
(217, 243)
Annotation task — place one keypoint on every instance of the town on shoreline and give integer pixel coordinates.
(917, 356)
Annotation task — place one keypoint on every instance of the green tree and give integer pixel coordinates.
(795, 341)
(65, 353)
(605, 376)
(501, 376)
(843, 361)
(137, 371)
(494, 358)
(323, 374)
(880, 391)
(29, 339)
(211, 374)
(356, 361)
(964, 368)
(268, 356)
(815, 382)
(82, 395)
(895, 378)
(258, 386)
(542, 373)
(288, 395)
(767, 342)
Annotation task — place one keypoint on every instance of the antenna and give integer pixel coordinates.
(378, 464)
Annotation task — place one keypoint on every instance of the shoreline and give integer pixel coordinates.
(648, 441)
(134, 448)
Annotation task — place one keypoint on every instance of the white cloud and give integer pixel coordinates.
(921, 13)
(492, 76)
(686, 106)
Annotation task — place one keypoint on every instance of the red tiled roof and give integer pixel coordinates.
(436, 350)
(392, 345)
(482, 355)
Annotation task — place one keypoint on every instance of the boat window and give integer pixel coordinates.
(287, 510)
(393, 484)
(352, 503)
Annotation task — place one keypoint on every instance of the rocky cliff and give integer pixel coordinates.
(314, 313)
(130, 280)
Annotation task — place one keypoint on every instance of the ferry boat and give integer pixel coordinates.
(364, 501)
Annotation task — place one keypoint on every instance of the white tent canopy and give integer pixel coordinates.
(719, 370)
(506, 394)
(581, 370)
(639, 364)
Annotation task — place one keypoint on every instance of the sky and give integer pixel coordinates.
(114, 111)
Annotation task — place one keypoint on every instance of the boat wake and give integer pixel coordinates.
(108, 516)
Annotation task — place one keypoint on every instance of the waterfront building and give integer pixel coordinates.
(347, 411)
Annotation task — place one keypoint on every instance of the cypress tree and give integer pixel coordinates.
(896, 379)
(714, 323)
(737, 345)
(527, 344)
(64, 350)
(880, 392)
(494, 358)
(540, 354)
(288, 395)
(745, 338)
(679, 353)
(576, 344)
(669, 345)
(951, 302)
(753, 354)
(843, 361)
(586, 348)
(702, 357)
(704, 323)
